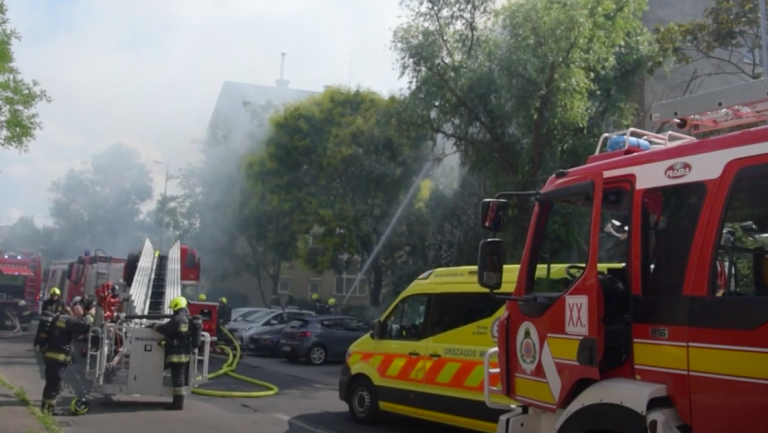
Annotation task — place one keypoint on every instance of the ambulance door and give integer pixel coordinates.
(460, 334)
(555, 335)
(400, 354)
(728, 320)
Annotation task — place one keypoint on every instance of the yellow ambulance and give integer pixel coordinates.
(427, 361)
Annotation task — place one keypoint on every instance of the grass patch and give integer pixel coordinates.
(45, 419)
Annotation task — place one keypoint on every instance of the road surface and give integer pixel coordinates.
(307, 403)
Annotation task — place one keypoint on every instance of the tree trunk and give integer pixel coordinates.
(378, 282)
(260, 285)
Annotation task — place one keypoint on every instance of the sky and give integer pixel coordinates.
(147, 73)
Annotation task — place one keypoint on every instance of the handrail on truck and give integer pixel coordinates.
(489, 390)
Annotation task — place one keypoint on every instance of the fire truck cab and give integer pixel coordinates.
(676, 339)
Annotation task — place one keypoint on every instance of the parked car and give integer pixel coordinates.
(275, 318)
(240, 312)
(266, 342)
(246, 321)
(318, 339)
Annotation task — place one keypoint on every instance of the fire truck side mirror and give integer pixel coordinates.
(493, 214)
(376, 329)
(490, 263)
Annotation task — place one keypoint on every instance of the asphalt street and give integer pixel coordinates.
(307, 403)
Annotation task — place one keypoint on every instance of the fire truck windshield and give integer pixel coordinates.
(563, 239)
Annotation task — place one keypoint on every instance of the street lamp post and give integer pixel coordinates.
(165, 197)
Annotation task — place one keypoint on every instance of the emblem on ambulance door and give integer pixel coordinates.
(528, 347)
(495, 330)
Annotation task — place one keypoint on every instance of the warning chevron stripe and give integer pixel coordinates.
(454, 373)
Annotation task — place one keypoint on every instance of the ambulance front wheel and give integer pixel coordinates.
(363, 402)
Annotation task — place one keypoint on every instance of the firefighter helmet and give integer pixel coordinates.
(332, 302)
(54, 291)
(201, 297)
(315, 296)
(178, 303)
(223, 300)
(79, 406)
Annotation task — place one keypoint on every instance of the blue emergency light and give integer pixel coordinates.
(87, 253)
(618, 143)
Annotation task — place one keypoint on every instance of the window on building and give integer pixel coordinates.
(285, 285)
(345, 284)
(741, 266)
(669, 219)
(314, 286)
(454, 310)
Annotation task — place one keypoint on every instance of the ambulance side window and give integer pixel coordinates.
(454, 310)
(669, 219)
(741, 265)
(406, 320)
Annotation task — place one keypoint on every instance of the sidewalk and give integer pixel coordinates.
(15, 416)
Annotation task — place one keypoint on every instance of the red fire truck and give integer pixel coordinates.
(676, 339)
(20, 276)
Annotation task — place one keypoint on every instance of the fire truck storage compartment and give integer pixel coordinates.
(11, 287)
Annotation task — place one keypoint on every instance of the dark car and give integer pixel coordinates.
(318, 339)
(266, 342)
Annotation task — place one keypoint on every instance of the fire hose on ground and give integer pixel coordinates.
(229, 369)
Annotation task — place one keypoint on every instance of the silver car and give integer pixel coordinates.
(263, 321)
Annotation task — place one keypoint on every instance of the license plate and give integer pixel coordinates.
(286, 349)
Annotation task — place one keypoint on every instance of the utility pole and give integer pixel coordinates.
(165, 197)
(763, 39)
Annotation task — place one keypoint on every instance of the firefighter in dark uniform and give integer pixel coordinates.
(178, 348)
(224, 316)
(54, 304)
(58, 353)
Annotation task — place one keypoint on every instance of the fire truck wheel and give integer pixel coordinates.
(363, 402)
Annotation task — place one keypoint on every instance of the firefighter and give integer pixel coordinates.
(201, 297)
(291, 302)
(58, 354)
(178, 347)
(319, 304)
(224, 316)
(331, 307)
(54, 304)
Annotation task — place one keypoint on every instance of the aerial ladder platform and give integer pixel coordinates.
(128, 357)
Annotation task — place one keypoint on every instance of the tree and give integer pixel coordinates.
(265, 225)
(525, 89)
(343, 161)
(19, 120)
(100, 206)
(727, 37)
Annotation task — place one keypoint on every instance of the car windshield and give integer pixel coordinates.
(245, 314)
(258, 316)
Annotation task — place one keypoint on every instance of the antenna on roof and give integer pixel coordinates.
(282, 83)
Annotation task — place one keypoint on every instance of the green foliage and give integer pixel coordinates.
(19, 120)
(342, 161)
(527, 88)
(727, 34)
(265, 224)
(100, 207)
